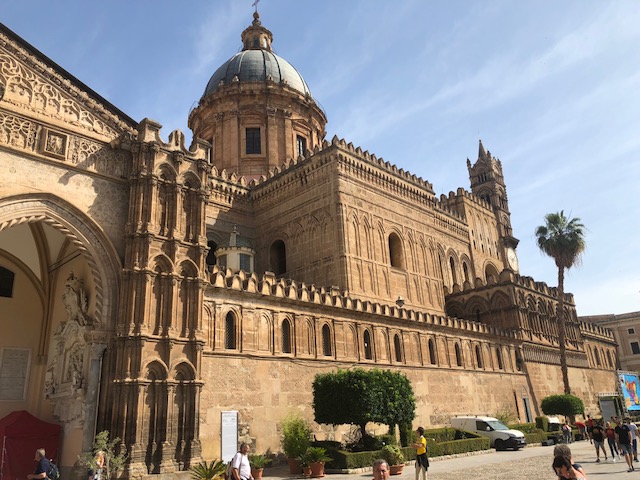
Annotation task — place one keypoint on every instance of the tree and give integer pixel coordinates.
(360, 396)
(563, 240)
(113, 461)
(567, 405)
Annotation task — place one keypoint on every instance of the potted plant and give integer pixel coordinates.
(208, 471)
(394, 457)
(258, 462)
(303, 461)
(296, 434)
(316, 456)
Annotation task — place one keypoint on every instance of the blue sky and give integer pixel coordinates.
(551, 87)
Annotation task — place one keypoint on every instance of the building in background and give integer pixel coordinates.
(145, 287)
(626, 330)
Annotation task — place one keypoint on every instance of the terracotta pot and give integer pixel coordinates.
(317, 469)
(306, 471)
(396, 469)
(256, 472)
(294, 466)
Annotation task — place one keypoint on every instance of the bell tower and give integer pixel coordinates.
(487, 183)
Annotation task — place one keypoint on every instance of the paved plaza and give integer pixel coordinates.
(531, 463)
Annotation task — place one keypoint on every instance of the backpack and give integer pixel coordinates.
(53, 473)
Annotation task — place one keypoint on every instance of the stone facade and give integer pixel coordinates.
(626, 331)
(115, 257)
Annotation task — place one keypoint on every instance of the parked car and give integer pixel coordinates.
(501, 436)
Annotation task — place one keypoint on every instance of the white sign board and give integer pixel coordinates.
(229, 437)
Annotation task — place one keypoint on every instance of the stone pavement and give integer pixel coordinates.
(531, 463)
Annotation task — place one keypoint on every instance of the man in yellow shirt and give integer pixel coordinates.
(422, 461)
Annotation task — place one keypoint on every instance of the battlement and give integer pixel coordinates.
(149, 132)
(332, 297)
(592, 329)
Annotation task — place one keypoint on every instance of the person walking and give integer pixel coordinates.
(240, 468)
(597, 433)
(565, 470)
(422, 461)
(42, 468)
(610, 433)
(566, 432)
(634, 440)
(589, 423)
(623, 439)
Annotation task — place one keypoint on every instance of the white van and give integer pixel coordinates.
(499, 434)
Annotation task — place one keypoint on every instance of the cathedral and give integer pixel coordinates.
(147, 286)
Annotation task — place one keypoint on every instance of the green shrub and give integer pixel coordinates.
(524, 427)
(542, 423)
(296, 434)
(535, 437)
(567, 405)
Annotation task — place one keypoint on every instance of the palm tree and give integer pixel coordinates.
(563, 240)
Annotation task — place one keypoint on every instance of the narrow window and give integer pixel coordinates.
(458, 356)
(286, 336)
(301, 145)
(6, 282)
(597, 355)
(395, 251)
(222, 261)
(278, 257)
(452, 267)
(635, 348)
(326, 340)
(367, 345)
(245, 262)
(465, 271)
(432, 352)
(230, 331)
(253, 141)
(479, 357)
(499, 358)
(397, 347)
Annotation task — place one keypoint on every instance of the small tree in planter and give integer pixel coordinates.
(296, 434)
(394, 457)
(317, 456)
(258, 462)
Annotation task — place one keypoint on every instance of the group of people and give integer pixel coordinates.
(621, 435)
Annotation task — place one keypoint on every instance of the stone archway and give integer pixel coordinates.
(103, 263)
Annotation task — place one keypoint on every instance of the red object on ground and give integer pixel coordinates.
(21, 434)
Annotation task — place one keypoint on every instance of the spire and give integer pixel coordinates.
(481, 153)
(256, 37)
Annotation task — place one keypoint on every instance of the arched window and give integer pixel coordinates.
(326, 340)
(491, 271)
(286, 336)
(368, 352)
(397, 347)
(465, 272)
(211, 254)
(519, 362)
(499, 358)
(479, 357)
(230, 331)
(609, 359)
(278, 257)
(395, 251)
(6, 282)
(432, 352)
(458, 355)
(452, 268)
(597, 355)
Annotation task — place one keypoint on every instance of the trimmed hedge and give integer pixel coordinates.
(535, 437)
(342, 459)
(524, 427)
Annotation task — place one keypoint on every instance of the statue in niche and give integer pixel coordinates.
(75, 301)
(74, 372)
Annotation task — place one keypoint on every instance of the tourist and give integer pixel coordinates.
(380, 470)
(566, 432)
(240, 468)
(634, 440)
(590, 423)
(623, 439)
(610, 433)
(42, 468)
(422, 461)
(98, 472)
(597, 433)
(563, 450)
(564, 469)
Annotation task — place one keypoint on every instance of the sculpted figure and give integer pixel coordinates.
(75, 300)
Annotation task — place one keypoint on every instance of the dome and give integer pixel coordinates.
(256, 66)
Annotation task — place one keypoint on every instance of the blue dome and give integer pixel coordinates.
(257, 66)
